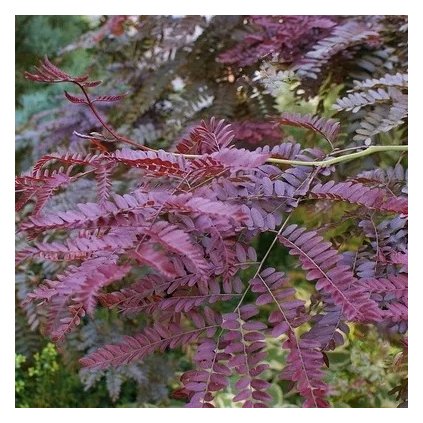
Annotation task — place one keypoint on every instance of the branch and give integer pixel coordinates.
(347, 157)
(48, 73)
(323, 163)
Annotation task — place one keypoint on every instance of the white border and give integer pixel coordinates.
(180, 7)
(215, 7)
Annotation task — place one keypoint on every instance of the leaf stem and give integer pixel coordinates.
(261, 264)
(347, 157)
(323, 163)
(106, 126)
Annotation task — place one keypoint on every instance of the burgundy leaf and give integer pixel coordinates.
(108, 98)
(74, 99)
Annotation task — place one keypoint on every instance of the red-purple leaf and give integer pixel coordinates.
(109, 98)
(75, 99)
(280, 329)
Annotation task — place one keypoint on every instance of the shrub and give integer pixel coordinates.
(169, 239)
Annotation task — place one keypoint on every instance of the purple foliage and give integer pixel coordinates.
(257, 133)
(288, 36)
(173, 238)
